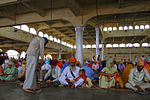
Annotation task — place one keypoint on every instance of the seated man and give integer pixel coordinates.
(10, 74)
(138, 78)
(53, 74)
(106, 79)
(44, 69)
(70, 73)
(121, 67)
(5, 64)
(21, 76)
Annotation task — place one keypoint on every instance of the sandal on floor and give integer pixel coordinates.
(28, 90)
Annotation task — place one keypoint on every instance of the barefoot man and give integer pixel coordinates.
(35, 49)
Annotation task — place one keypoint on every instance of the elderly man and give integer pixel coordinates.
(35, 49)
(138, 78)
(69, 74)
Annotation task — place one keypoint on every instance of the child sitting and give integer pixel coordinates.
(87, 81)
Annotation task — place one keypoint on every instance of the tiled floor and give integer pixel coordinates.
(10, 91)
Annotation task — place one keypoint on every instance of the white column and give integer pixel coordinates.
(79, 42)
(97, 42)
(59, 54)
(102, 52)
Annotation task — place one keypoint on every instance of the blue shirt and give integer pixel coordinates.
(88, 72)
(65, 65)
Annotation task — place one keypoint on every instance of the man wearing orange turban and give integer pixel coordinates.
(138, 78)
(70, 73)
(78, 64)
(72, 60)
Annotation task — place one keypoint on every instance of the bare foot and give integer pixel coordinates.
(21, 84)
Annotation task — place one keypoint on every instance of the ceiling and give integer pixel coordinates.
(59, 18)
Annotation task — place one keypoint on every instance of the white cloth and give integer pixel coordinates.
(67, 74)
(143, 86)
(36, 47)
(136, 77)
(20, 70)
(115, 66)
(30, 78)
(5, 66)
(46, 67)
(55, 75)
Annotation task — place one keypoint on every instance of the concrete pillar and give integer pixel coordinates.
(60, 54)
(79, 42)
(97, 42)
(102, 51)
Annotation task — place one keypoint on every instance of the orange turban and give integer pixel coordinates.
(78, 62)
(140, 62)
(72, 60)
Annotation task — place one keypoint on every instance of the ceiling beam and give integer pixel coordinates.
(27, 38)
(133, 39)
(73, 6)
(32, 6)
(120, 2)
(143, 39)
(9, 15)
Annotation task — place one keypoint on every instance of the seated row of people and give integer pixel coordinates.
(71, 75)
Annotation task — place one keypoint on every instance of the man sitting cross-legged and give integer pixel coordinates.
(70, 73)
(138, 78)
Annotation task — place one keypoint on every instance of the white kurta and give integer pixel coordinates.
(67, 74)
(46, 67)
(30, 78)
(35, 49)
(136, 78)
(56, 75)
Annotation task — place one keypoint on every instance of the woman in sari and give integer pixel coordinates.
(10, 74)
(106, 79)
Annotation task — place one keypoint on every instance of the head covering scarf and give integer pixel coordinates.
(53, 62)
(60, 65)
(140, 62)
(16, 64)
(47, 62)
(108, 64)
(77, 62)
(72, 60)
(11, 63)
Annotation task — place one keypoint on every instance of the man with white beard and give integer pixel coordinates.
(70, 73)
